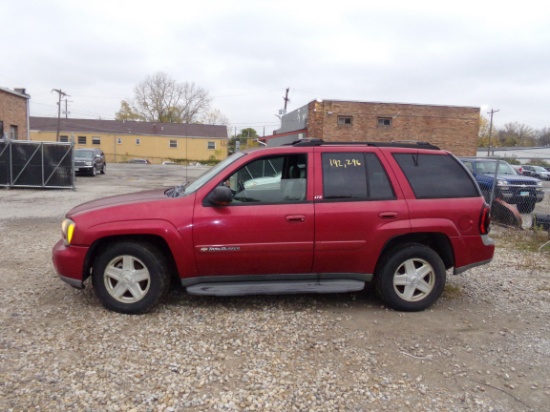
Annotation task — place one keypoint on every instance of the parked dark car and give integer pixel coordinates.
(536, 171)
(522, 191)
(331, 218)
(89, 161)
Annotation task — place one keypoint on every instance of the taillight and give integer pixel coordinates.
(485, 220)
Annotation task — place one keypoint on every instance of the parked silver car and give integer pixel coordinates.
(536, 171)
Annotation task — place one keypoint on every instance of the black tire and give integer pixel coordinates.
(104, 168)
(526, 207)
(410, 278)
(131, 277)
(94, 171)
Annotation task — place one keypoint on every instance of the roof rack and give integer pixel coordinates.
(403, 143)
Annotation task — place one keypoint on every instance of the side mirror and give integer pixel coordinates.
(220, 196)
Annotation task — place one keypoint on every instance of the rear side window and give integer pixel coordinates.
(355, 176)
(436, 176)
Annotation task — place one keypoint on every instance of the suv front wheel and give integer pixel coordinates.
(130, 277)
(410, 278)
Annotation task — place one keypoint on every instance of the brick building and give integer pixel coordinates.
(454, 128)
(14, 114)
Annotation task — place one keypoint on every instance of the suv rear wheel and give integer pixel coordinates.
(130, 277)
(526, 207)
(411, 278)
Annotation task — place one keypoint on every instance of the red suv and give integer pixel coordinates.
(310, 217)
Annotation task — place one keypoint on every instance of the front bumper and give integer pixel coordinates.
(69, 263)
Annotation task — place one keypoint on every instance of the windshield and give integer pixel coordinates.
(85, 154)
(489, 167)
(210, 173)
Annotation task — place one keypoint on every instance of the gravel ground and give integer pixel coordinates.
(485, 346)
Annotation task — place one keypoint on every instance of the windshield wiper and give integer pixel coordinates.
(177, 191)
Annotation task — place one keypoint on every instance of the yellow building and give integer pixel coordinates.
(122, 141)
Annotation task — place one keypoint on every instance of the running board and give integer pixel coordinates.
(275, 288)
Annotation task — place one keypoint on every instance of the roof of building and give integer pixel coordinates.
(16, 92)
(128, 127)
(391, 103)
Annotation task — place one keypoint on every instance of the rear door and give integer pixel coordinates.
(358, 208)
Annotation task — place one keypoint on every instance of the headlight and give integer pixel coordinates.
(88, 163)
(539, 183)
(67, 230)
(502, 182)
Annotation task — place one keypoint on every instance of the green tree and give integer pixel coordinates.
(483, 137)
(247, 138)
(159, 98)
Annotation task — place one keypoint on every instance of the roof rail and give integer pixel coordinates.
(403, 143)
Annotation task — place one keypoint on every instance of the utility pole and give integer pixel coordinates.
(67, 108)
(61, 94)
(493, 111)
(286, 99)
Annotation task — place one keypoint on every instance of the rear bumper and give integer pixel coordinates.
(69, 263)
(481, 250)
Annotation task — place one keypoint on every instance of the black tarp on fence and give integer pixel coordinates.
(36, 164)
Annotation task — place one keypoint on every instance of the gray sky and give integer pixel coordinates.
(487, 54)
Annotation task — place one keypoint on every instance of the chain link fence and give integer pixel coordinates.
(36, 164)
(516, 200)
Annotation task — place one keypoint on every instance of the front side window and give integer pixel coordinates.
(270, 180)
(350, 176)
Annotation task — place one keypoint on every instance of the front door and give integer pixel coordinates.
(267, 229)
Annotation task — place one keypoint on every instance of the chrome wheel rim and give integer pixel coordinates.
(127, 279)
(414, 279)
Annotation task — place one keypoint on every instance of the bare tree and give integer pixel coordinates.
(516, 134)
(543, 137)
(159, 98)
(214, 116)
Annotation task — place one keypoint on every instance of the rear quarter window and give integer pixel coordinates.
(436, 176)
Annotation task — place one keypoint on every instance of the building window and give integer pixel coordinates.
(138, 141)
(384, 121)
(96, 140)
(211, 145)
(119, 140)
(13, 132)
(1, 129)
(345, 120)
(173, 143)
(64, 139)
(81, 139)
